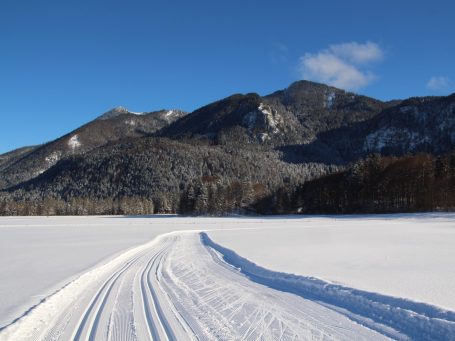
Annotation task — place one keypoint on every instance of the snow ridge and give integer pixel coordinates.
(396, 317)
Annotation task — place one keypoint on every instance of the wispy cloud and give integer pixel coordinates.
(440, 84)
(279, 53)
(343, 65)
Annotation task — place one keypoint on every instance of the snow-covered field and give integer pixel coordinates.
(38, 255)
(128, 278)
(411, 256)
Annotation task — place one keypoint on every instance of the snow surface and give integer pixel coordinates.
(52, 158)
(169, 114)
(329, 100)
(41, 254)
(121, 109)
(154, 292)
(409, 256)
(74, 142)
(394, 317)
(130, 122)
(117, 111)
(186, 283)
(272, 121)
(384, 137)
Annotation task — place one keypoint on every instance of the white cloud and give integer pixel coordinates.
(358, 53)
(439, 84)
(330, 69)
(342, 65)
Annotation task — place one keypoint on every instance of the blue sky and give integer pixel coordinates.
(65, 62)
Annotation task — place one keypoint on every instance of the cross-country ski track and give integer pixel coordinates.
(182, 285)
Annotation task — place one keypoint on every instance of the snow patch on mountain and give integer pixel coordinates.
(130, 122)
(52, 158)
(394, 137)
(136, 113)
(39, 171)
(117, 111)
(272, 119)
(74, 142)
(264, 137)
(330, 98)
(171, 115)
(263, 121)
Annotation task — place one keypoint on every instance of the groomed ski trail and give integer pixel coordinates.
(179, 288)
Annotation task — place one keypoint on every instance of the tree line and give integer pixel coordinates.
(376, 184)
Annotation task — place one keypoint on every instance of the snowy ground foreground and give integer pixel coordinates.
(182, 285)
(39, 255)
(410, 256)
(175, 288)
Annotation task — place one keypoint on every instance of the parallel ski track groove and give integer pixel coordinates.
(151, 327)
(161, 318)
(109, 283)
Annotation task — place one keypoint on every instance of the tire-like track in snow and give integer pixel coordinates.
(178, 288)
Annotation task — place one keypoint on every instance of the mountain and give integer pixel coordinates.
(295, 115)
(11, 157)
(115, 125)
(230, 155)
(414, 125)
(117, 111)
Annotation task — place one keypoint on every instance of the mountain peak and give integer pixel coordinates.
(117, 111)
(303, 83)
(311, 88)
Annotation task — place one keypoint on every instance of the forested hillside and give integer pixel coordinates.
(377, 184)
(309, 148)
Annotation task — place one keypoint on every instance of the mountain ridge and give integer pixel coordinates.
(91, 135)
(240, 149)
